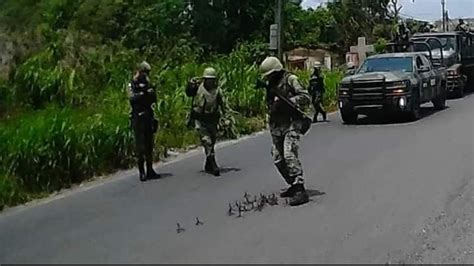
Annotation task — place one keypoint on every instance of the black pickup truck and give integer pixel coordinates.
(392, 82)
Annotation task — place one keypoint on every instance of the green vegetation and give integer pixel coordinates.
(64, 111)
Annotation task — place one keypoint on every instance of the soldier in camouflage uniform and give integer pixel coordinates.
(142, 96)
(207, 109)
(316, 90)
(462, 26)
(287, 126)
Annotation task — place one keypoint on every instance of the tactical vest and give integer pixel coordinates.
(206, 104)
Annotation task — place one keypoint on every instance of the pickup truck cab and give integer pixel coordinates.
(393, 82)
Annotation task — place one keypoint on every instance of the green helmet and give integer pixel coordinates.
(144, 66)
(270, 65)
(209, 73)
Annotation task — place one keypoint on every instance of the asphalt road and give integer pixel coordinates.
(382, 182)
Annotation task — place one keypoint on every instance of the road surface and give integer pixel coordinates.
(394, 192)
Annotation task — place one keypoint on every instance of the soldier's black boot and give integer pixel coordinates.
(288, 192)
(315, 118)
(212, 167)
(150, 172)
(325, 116)
(300, 197)
(141, 170)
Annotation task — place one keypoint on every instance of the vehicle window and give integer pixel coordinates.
(419, 62)
(448, 43)
(404, 64)
(426, 61)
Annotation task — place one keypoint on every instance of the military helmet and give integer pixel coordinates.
(209, 73)
(270, 65)
(144, 66)
(317, 65)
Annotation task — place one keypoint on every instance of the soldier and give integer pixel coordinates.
(286, 97)
(425, 28)
(207, 109)
(402, 38)
(316, 90)
(462, 26)
(142, 96)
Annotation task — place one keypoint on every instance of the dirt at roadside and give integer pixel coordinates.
(449, 237)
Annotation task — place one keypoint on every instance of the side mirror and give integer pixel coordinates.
(424, 69)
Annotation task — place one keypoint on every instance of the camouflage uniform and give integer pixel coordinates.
(208, 107)
(462, 26)
(142, 96)
(286, 127)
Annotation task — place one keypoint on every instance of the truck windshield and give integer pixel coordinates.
(404, 64)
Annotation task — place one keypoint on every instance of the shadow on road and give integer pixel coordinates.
(160, 176)
(387, 119)
(224, 170)
(315, 193)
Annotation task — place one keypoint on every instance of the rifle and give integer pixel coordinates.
(307, 121)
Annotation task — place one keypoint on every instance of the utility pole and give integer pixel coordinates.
(447, 20)
(443, 5)
(279, 22)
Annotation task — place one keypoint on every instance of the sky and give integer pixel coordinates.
(426, 9)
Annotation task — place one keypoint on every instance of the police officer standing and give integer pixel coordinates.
(208, 108)
(316, 90)
(142, 96)
(286, 97)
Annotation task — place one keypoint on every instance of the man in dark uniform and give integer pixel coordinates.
(142, 96)
(316, 90)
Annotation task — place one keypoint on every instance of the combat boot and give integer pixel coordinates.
(150, 172)
(325, 116)
(213, 168)
(287, 192)
(300, 197)
(208, 166)
(315, 118)
(141, 170)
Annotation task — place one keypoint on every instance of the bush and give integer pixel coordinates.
(58, 147)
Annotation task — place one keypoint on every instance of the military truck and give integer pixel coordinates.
(394, 82)
(458, 53)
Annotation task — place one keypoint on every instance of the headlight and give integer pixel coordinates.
(398, 84)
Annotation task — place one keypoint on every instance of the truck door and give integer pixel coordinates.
(424, 72)
(433, 81)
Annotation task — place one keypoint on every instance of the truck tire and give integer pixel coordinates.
(414, 113)
(349, 116)
(439, 102)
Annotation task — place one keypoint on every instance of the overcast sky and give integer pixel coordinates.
(426, 9)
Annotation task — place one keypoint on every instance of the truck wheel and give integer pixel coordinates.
(349, 116)
(440, 101)
(414, 113)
